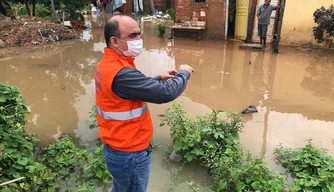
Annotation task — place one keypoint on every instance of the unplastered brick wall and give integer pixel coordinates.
(215, 15)
(159, 5)
(172, 4)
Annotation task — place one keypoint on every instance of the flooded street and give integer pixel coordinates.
(293, 92)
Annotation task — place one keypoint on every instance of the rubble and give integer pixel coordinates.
(29, 31)
(157, 17)
(77, 25)
(2, 44)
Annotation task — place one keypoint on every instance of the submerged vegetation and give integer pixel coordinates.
(61, 165)
(213, 140)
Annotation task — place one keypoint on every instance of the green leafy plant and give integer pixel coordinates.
(41, 10)
(63, 156)
(60, 165)
(312, 169)
(161, 27)
(171, 13)
(96, 172)
(92, 116)
(17, 158)
(213, 141)
(324, 18)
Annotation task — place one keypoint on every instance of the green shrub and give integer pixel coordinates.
(58, 165)
(41, 10)
(213, 140)
(324, 31)
(312, 169)
(161, 28)
(171, 13)
(17, 158)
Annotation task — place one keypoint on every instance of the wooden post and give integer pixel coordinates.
(279, 26)
(63, 17)
(251, 19)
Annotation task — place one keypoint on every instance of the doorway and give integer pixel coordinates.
(231, 18)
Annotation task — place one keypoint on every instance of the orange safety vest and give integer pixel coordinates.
(124, 125)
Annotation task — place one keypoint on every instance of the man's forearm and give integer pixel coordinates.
(131, 84)
(158, 77)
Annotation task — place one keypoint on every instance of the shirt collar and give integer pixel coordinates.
(111, 52)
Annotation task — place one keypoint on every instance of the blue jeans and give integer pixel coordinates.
(130, 170)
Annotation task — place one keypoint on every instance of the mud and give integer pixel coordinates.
(293, 91)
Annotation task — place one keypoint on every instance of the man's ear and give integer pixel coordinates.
(113, 42)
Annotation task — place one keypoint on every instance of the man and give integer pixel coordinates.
(263, 15)
(121, 94)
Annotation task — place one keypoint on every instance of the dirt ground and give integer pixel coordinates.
(30, 31)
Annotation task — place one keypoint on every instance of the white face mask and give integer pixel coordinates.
(134, 48)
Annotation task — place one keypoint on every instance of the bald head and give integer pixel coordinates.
(122, 27)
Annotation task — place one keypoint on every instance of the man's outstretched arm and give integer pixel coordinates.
(131, 84)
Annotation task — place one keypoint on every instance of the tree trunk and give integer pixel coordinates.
(53, 11)
(151, 6)
(27, 7)
(33, 7)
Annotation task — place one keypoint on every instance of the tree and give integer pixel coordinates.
(53, 11)
(324, 32)
(151, 6)
(33, 7)
(27, 7)
(4, 7)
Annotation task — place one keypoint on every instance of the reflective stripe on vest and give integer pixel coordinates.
(125, 115)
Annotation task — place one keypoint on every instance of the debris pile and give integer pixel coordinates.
(78, 25)
(32, 31)
(157, 17)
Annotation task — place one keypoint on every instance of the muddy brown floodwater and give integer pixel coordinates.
(293, 91)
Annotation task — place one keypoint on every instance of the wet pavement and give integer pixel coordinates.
(293, 92)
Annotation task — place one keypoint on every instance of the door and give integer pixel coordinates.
(255, 36)
(241, 19)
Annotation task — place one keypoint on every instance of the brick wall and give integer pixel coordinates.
(215, 15)
(160, 4)
(172, 4)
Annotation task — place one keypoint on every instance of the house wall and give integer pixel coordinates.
(215, 15)
(159, 5)
(172, 4)
(298, 21)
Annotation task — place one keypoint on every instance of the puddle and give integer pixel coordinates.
(293, 91)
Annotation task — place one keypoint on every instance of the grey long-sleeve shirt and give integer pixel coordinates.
(131, 84)
(265, 13)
